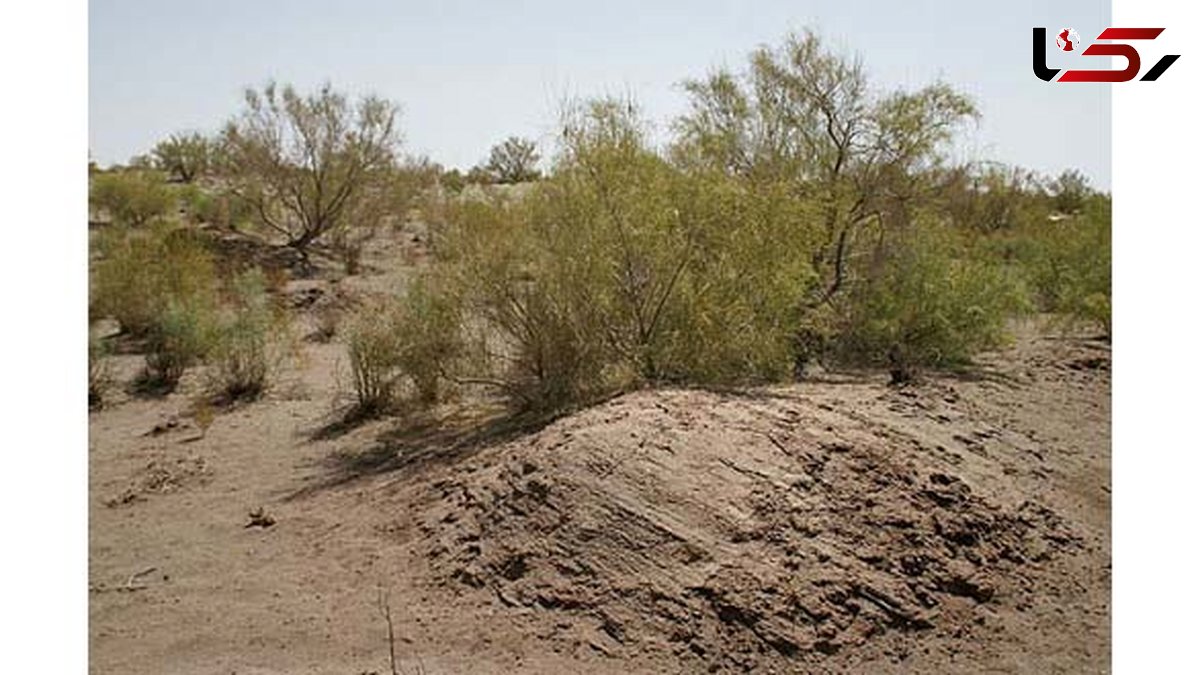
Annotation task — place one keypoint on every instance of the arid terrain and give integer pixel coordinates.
(958, 524)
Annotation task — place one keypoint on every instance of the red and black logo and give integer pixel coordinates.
(1068, 41)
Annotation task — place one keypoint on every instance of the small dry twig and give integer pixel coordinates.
(129, 586)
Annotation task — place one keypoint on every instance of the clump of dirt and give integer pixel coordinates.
(733, 533)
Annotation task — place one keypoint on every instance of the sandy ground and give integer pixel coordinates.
(957, 525)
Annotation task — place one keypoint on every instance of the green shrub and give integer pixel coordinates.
(243, 358)
(182, 335)
(374, 352)
(528, 332)
(185, 157)
(99, 376)
(1069, 264)
(927, 303)
(140, 272)
(430, 340)
(133, 198)
(621, 268)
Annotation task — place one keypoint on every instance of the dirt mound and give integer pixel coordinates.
(735, 532)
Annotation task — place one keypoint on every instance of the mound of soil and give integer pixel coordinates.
(957, 525)
(736, 532)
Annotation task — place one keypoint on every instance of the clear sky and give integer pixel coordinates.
(468, 74)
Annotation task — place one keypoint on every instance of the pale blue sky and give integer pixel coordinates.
(467, 74)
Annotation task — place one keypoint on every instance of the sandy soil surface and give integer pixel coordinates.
(957, 525)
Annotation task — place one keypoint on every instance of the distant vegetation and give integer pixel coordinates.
(798, 215)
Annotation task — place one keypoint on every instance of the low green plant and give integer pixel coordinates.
(132, 198)
(182, 335)
(430, 339)
(374, 352)
(99, 374)
(244, 355)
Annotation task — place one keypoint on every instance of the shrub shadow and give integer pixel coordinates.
(417, 445)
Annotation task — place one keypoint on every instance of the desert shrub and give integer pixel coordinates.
(926, 303)
(140, 272)
(99, 375)
(327, 317)
(1070, 191)
(453, 180)
(347, 245)
(798, 214)
(430, 338)
(1069, 263)
(242, 357)
(133, 198)
(621, 268)
(806, 116)
(513, 161)
(374, 352)
(185, 157)
(411, 181)
(182, 334)
(219, 207)
(528, 333)
(307, 164)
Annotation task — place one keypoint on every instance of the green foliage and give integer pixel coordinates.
(182, 334)
(620, 268)
(374, 352)
(992, 198)
(309, 165)
(513, 161)
(806, 116)
(453, 181)
(927, 303)
(219, 207)
(185, 157)
(430, 338)
(99, 375)
(132, 198)
(1071, 191)
(242, 358)
(139, 273)
(1069, 263)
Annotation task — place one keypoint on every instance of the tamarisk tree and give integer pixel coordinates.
(308, 163)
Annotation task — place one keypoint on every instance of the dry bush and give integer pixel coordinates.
(328, 317)
(132, 198)
(347, 245)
